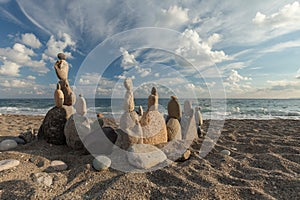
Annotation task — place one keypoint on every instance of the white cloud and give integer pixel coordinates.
(31, 40)
(234, 65)
(128, 60)
(55, 46)
(235, 77)
(9, 68)
(16, 83)
(198, 51)
(20, 55)
(174, 16)
(289, 15)
(282, 46)
(89, 79)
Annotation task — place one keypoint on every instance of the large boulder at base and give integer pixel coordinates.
(52, 128)
(145, 156)
(100, 141)
(76, 128)
(154, 128)
(174, 129)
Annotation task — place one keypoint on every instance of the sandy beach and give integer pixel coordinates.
(264, 164)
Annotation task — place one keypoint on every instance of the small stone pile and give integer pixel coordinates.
(52, 128)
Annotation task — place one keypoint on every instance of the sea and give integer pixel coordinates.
(210, 108)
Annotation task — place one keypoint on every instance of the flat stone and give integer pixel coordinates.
(145, 156)
(8, 144)
(42, 178)
(101, 163)
(225, 152)
(8, 164)
(58, 165)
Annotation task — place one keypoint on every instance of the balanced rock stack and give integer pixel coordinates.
(174, 115)
(52, 128)
(188, 124)
(153, 123)
(77, 126)
(130, 131)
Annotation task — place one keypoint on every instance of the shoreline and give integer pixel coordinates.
(264, 164)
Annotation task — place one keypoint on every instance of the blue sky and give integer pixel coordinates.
(249, 48)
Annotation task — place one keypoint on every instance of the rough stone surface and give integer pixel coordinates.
(129, 120)
(52, 128)
(154, 128)
(128, 102)
(42, 178)
(58, 165)
(174, 129)
(101, 163)
(97, 124)
(62, 69)
(128, 84)
(69, 96)
(188, 124)
(175, 150)
(174, 108)
(100, 141)
(77, 127)
(8, 164)
(59, 97)
(8, 144)
(145, 156)
(61, 56)
(80, 106)
(126, 138)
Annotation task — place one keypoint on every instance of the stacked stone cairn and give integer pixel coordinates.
(52, 128)
(173, 124)
(130, 131)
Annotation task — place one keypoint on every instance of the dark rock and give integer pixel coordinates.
(52, 128)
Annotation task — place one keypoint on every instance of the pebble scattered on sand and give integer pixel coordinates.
(101, 163)
(8, 144)
(225, 152)
(58, 165)
(42, 178)
(8, 164)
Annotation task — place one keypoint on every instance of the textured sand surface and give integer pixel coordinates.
(264, 164)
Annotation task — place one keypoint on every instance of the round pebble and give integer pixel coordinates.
(58, 165)
(7, 164)
(225, 152)
(43, 178)
(8, 144)
(101, 163)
